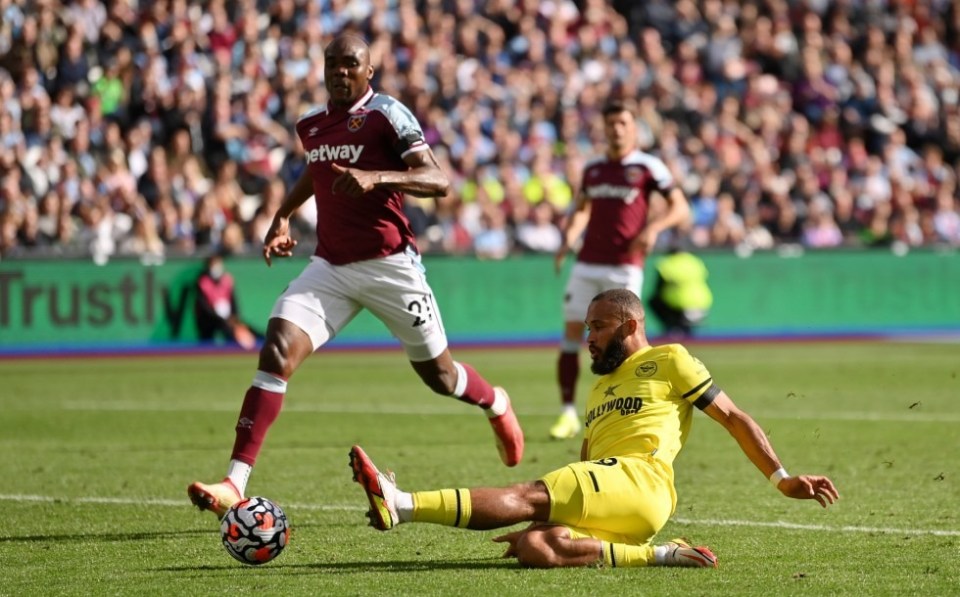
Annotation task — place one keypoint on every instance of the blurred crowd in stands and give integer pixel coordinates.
(157, 128)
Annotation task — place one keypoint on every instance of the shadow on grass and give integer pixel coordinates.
(138, 536)
(358, 567)
(142, 536)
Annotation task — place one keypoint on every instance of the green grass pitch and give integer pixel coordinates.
(97, 454)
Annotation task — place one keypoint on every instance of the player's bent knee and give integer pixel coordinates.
(273, 358)
(284, 349)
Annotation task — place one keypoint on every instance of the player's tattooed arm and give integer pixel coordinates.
(424, 178)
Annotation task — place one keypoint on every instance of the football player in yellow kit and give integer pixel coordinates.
(608, 507)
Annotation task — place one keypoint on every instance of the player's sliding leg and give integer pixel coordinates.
(568, 425)
(677, 552)
(381, 490)
(478, 508)
(674, 553)
(448, 377)
(490, 508)
(552, 546)
(285, 348)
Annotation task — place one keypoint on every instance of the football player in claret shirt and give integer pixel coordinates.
(363, 150)
(608, 507)
(611, 213)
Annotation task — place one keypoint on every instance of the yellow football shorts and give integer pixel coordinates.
(622, 500)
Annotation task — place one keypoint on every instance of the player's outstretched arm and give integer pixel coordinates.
(754, 443)
(424, 178)
(278, 242)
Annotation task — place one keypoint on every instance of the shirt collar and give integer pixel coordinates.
(362, 101)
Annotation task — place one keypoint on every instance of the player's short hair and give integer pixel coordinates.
(614, 107)
(348, 40)
(628, 303)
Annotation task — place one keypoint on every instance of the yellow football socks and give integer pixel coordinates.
(621, 555)
(449, 507)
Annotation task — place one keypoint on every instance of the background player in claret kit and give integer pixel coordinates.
(607, 507)
(363, 151)
(611, 211)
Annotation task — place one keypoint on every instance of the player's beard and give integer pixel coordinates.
(612, 357)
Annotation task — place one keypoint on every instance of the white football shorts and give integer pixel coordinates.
(324, 298)
(587, 280)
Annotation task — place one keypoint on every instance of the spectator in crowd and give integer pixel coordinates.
(821, 229)
(747, 93)
(538, 233)
(492, 241)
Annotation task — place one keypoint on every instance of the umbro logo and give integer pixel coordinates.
(313, 132)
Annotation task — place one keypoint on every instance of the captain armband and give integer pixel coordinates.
(706, 399)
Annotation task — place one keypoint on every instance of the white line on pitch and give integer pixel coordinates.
(455, 410)
(345, 508)
(818, 527)
(150, 502)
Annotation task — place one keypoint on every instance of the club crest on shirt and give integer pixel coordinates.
(646, 369)
(633, 174)
(355, 122)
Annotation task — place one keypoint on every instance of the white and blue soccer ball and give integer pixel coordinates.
(254, 531)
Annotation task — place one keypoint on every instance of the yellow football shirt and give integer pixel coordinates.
(644, 407)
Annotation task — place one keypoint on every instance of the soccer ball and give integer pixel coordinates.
(254, 531)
